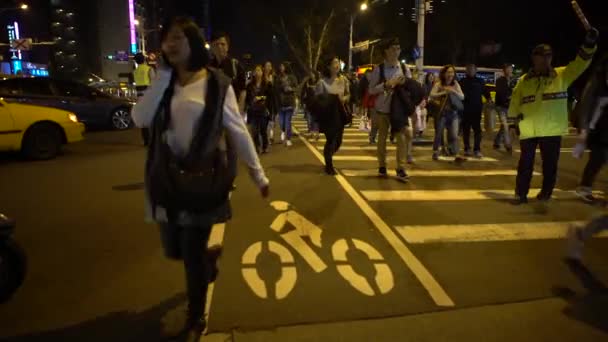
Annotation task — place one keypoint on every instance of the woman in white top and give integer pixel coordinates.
(181, 95)
(447, 93)
(332, 121)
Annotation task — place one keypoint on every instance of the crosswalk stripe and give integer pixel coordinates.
(436, 173)
(562, 150)
(374, 148)
(488, 232)
(416, 159)
(347, 140)
(452, 195)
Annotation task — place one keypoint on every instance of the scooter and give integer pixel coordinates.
(13, 262)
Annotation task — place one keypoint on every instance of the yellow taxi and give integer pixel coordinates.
(38, 132)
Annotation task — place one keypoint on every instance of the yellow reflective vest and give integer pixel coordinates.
(141, 75)
(542, 99)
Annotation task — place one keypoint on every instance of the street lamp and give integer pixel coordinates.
(362, 8)
(23, 7)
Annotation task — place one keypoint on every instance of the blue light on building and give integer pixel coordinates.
(17, 66)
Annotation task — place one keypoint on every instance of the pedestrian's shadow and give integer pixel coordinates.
(116, 327)
(590, 308)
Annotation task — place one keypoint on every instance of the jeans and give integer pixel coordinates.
(448, 120)
(285, 115)
(471, 120)
(549, 151)
(333, 141)
(313, 125)
(597, 159)
(189, 244)
(259, 132)
(503, 135)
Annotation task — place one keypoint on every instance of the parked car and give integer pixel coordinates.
(38, 132)
(91, 106)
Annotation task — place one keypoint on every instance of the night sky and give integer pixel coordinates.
(516, 24)
(453, 33)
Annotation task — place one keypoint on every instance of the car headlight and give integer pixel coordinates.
(73, 117)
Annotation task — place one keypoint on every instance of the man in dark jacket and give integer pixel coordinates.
(473, 88)
(504, 90)
(220, 44)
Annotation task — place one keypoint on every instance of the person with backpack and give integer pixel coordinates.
(447, 96)
(383, 81)
(592, 114)
(257, 101)
(332, 101)
(194, 120)
(504, 91)
(308, 96)
(287, 85)
(220, 46)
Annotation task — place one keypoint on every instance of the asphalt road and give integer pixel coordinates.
(443, 257)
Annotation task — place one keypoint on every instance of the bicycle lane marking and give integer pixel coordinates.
(424, 276)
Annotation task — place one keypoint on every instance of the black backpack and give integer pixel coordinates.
(414, 88)
(200, 181)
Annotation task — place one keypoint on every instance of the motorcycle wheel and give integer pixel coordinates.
(13, 265)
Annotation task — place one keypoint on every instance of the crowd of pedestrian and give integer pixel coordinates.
(201, 112)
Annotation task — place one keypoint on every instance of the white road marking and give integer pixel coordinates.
(416, 159)
(488, 232)
(437, 293)
(562, 150)
(347, 140)
(452, 195)
(436, 173)
(375, 148)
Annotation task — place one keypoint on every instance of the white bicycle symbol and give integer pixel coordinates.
(294, 238)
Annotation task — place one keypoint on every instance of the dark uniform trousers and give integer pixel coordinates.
(549, 151)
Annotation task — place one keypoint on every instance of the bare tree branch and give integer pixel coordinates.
(322, 38)
(293, 49)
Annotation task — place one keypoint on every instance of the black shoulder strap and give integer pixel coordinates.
(209, 129)
(382, 75)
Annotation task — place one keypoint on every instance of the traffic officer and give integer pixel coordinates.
(142, 77)
(539, 103)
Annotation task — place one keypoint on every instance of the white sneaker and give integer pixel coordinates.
(282, 136)
(575, 245)
(288, 143)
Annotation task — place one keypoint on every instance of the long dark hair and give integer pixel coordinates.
(443, 73)
(327, 64)
(427, 78)
(199, 56)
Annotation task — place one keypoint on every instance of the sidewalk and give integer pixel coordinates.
(553, 319)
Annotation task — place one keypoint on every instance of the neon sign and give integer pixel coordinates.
(132, 26)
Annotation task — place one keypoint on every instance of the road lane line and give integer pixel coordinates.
(488, 232)
(416, 159)
(436, 173)
(437, 293)
(452, 195)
